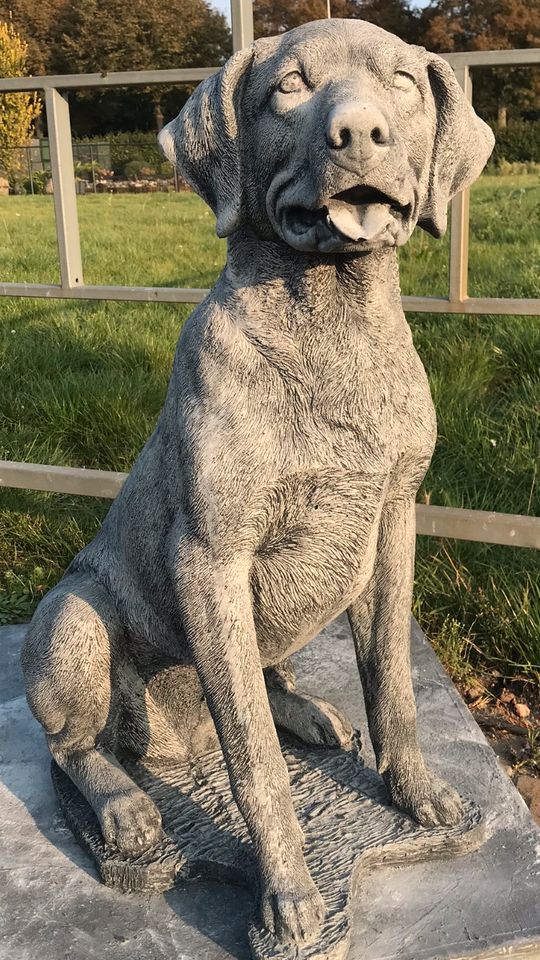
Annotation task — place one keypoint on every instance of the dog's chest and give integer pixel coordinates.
(364, 401)
(316, 550)
(360, 429)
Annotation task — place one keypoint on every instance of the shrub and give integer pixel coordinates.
(39, 179)
(126, 148)
(87, 171)
(517, 143)
(138, 168)
(84, 170)
(504, 168)
(18, 111)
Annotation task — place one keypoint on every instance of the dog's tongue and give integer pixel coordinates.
(359, 221)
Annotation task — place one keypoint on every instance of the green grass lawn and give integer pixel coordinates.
(82, 384)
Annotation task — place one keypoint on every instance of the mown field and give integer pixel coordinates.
(82, 384)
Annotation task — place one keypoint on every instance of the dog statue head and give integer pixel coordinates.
(335, 137)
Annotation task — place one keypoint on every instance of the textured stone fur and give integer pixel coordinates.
(278, 486)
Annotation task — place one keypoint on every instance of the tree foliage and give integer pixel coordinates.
(140, 35)
(276, 16)
(37, 23)
(271, 17)
(448, 25)
(88, 36)
(18, 111)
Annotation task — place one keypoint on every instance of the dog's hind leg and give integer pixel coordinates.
(312, 720)
(66, 661)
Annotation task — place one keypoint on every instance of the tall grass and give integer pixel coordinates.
(82, 384)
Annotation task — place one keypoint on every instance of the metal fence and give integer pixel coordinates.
(437, 521)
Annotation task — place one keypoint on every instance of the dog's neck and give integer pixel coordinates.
(284, 280)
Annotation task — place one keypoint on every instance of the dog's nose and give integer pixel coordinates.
(359, 129)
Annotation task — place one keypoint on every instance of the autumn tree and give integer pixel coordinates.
(271, 17)
(396, 16)
(18, 111)
(275, 16)
(449, 25)
(139, 35)
(36, 23)
(87, 36)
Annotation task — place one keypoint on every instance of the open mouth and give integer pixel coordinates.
(359, 215)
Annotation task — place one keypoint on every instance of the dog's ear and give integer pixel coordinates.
(203, 141)
(462, 146)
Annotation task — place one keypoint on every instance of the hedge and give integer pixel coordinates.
(128, 147)
(517, 143)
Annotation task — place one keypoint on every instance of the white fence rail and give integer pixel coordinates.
(438, 521)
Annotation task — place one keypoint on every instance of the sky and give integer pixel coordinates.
(224, 6)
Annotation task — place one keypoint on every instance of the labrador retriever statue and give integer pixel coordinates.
(278, 487)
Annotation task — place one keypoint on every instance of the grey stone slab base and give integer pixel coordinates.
(485, 905)
(349, 825)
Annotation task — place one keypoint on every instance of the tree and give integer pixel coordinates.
(449, 25)
(396, 16)
(275, 16)
(87, 36)
(93, 36)
(18, 111)
(271, 17)
(36, 24)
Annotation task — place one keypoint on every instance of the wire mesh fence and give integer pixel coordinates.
(116, 165)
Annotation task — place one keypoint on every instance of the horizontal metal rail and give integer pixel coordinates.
(89, 292)
(144, 78)
(460, 524)
(51, 291)
(126, 78)
(482, 305)
(494, 58)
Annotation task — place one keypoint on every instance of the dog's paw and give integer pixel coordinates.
(327, 726)
(131, 822)
(313, 721)
(295, 914)
(425, 797)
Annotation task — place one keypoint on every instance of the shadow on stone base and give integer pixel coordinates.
(350, 829)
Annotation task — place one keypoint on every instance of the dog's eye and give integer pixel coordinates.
(403, 81)
(291, 83)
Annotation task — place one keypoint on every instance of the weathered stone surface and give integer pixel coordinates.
(277, 487)
(342, 806)
(484, 904)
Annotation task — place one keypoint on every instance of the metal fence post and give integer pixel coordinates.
(30, 172)
(242, 23)
(92, 168)
(65, 199)
(459, 222)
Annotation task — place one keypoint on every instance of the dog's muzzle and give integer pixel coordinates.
(349, 220)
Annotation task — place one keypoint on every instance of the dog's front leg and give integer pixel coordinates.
(380, 623)
(217, 615)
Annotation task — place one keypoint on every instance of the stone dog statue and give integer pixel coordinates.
(278, 487)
